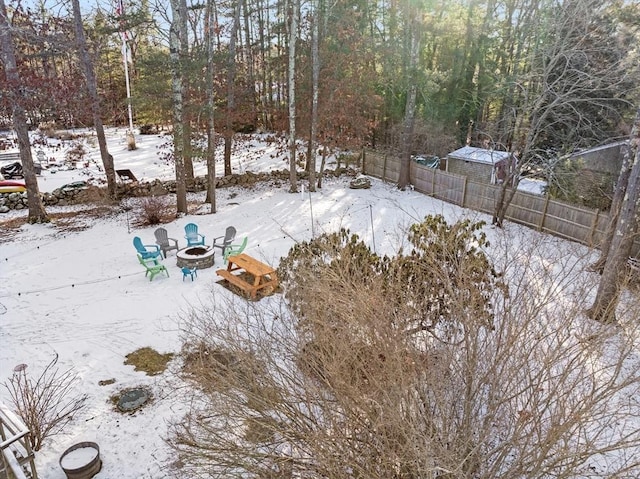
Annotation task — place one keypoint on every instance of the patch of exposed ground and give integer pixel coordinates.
(64, 222)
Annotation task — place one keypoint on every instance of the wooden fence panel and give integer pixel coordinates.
(572, 222)
(480, 197)
(569, 222)
(527, 208)
(423, 178)
(449, 187)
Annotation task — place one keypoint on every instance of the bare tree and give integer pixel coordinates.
(211, 108)
(412, 89)
(572, 90)
(92, 88)
(621, 243)
(619, 193)
(293, 38)
(177, 30)
(231, 97)
(315, 78)
(37, 213)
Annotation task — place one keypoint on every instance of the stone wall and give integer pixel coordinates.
(73, 196)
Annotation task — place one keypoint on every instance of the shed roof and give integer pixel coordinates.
(479, 155)
(596, 149)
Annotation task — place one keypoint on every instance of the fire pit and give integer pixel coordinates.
(199, 257)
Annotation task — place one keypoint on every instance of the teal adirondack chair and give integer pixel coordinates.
(153, 267)
(234, 249)
(147, 251)
(192, 235)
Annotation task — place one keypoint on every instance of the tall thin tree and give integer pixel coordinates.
(211, 107)
(293, 38)
(618, 196)
(92, 89)
(176, 30)
(231, 96)
(412, 18)
(37, 213)
(315, 77)
(613, 273)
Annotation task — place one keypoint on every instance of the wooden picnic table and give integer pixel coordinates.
(263, 275)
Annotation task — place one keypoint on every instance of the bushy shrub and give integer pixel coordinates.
(413, 366)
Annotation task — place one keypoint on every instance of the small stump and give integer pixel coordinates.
(81, 461)
(132, 399)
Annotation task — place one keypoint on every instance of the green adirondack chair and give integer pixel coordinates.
(234, 249)
(153, 267)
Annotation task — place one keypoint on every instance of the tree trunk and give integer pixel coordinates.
(615, 267)
(177, 93)
(187, 151)
(37, 213)
(619, 194)
(249, 60)
(211, 108)
(410, 107)
(231, 93)
(90, 77)
(293, 34)
(315, 75)
(621, 242)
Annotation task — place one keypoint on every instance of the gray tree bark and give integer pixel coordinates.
(618, 194)
(211, 108)
(176, 30)
(231, 93)
(92, 88)
(293, 37)
(37, 213)
(615, 267)
(315, 76)
(410, 107)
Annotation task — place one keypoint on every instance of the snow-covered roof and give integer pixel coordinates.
(479, 155)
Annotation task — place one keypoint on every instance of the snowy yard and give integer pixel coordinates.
(80, 293)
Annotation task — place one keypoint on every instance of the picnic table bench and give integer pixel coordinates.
(10, 156)
(263, 275)
(126, 175)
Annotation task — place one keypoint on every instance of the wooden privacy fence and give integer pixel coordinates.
(584, 225)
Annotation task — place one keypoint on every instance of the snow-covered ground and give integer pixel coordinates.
(82, 295)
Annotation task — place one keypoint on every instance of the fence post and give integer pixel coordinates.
(594, 225)
(384, 168)
(433, 183)
(464, 190)
(544, 213)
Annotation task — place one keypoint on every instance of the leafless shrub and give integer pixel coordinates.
(45, 404)
(76, 152)
(152, 210)
(336, 382)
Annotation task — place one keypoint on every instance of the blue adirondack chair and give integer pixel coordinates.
(234, 249)
(147, 251)
(192, 235)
